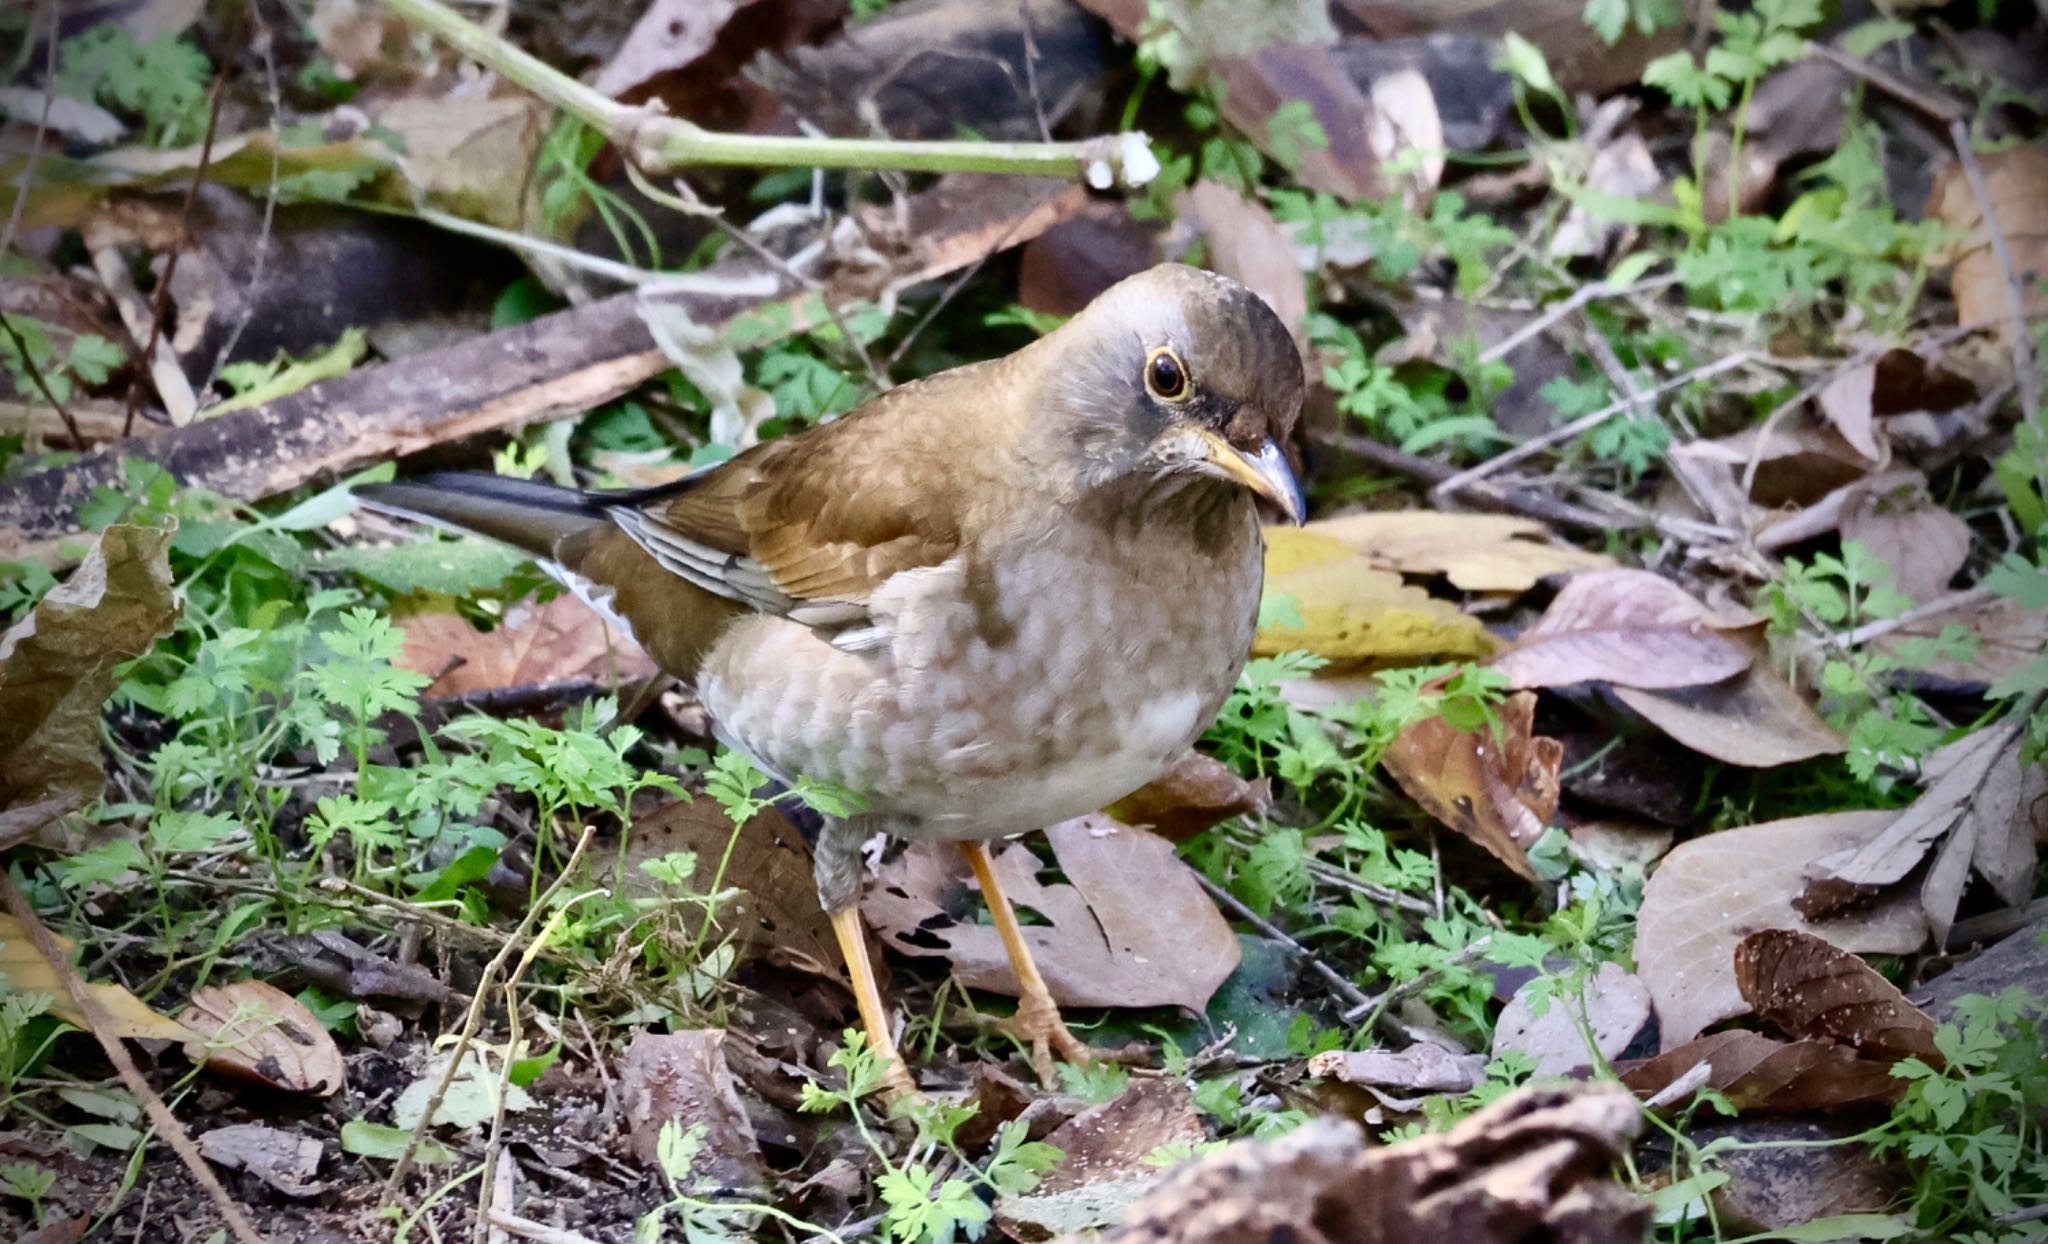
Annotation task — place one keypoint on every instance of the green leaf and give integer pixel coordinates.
(1525, 61)
(376, 1140)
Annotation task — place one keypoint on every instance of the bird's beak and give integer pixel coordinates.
(1265, 473)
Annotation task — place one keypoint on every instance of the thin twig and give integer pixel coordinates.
(265, 44)
(1537, 444)
(38, 380)
(1345, 989)
(96, 1022)
(1940, 107)
(1954, 602)
(1484, 495)
(1557, 311)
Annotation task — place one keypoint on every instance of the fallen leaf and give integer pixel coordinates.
(24, 971)
(283, 1160)
(259, 1032)
(1104, 1169)
(1713, 891)
(1353, 612)
(471, 1097)
(1759, 1073)
(1798, 462)
(2009, 637)
(1628, 628)
(1246, 245)
(1620, 846)
(1420, 1069)
(532, 644)
(1196, 793)
(1499, 790)
(1130, 927)
(1755, 719)
(1614, 1006)
(775, 911)
(1476, 552)
(1789, 1173)
(1923, 542)
(711, 41)
(1806, 987)
(56, 671)
(1972, 797)
(682, 1077)
(1531, 1166)
(2016, 186)
(1845, 402)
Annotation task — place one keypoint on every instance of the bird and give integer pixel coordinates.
(981, 603)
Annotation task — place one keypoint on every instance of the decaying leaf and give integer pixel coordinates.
(1197, 792)
(1628, 628)
(1353, 612)
(259, 1032)
(1712, 892)
(1788, 1173)
(2016, 184)
(1531, 1166)
(775, 911)
(1131, 926)
(562, 640)
(1475, 552)
(24, 971)
(1798, 462)
(1104, 1168)
(284, 1160)
(472, 1095)
(682, 1077)
(1755, 719)
(1498, 789)
(2009, 637)
(1417, 1071)
(1759, 1073)
(1971, 810)
(1613, 1007)
(1806, 987)
(57, 669)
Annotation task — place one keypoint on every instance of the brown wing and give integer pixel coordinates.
(809, 526)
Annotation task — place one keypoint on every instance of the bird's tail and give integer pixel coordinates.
(526, 514)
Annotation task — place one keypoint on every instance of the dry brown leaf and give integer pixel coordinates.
(1476, 552)
(1972, 804)
(1422, 1068)
(2009, 637)
(1131, 926)
(471, 155)
(710, 38)
(1252, 88)
(1531, 1166)
(259, 1032)
(1614, 1007)
(1711, 892)
(1352, 612)
(1629, 628)
(286, 1161)
(1808, 988)
(1924, 543)
(562, 640)
(1500, 792)
(682, 1077)
(1197, 792)
(57, 669)
(1846, 402)
(776, 911)
(1755, 719)
(1799, 462)
(2016, 184)
(1759, 1073)
(1104, 1166)
(23, 970)
(1246, 245)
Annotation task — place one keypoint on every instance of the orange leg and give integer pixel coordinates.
(853, 943)
(1038, 1018)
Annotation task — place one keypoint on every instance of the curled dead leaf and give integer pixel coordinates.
(1498, 789)
(1755, 719)
(1197, 792)
(1759, 1073)
(1351, 611)
(1475, 552)
(259, 1032)
(1809, 988)
(24, 971)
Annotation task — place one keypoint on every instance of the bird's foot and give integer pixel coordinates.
(1037, 1023)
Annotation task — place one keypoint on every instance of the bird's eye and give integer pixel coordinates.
(1164, 375)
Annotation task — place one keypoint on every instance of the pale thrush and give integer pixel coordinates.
(984, 602)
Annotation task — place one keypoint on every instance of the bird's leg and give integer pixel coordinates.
(1038, 1018)
(836, 866)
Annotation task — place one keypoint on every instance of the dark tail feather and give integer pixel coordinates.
(525, 514)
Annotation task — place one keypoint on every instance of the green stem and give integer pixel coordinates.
(659, 143)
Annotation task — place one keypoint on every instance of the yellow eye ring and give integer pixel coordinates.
(1166, 377)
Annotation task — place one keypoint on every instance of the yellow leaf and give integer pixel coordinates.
(1352, 611)
(26, 971)
(1476, 552)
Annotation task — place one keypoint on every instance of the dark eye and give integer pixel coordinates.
(1164, 375)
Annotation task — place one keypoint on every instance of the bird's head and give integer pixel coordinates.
(1177, 371)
